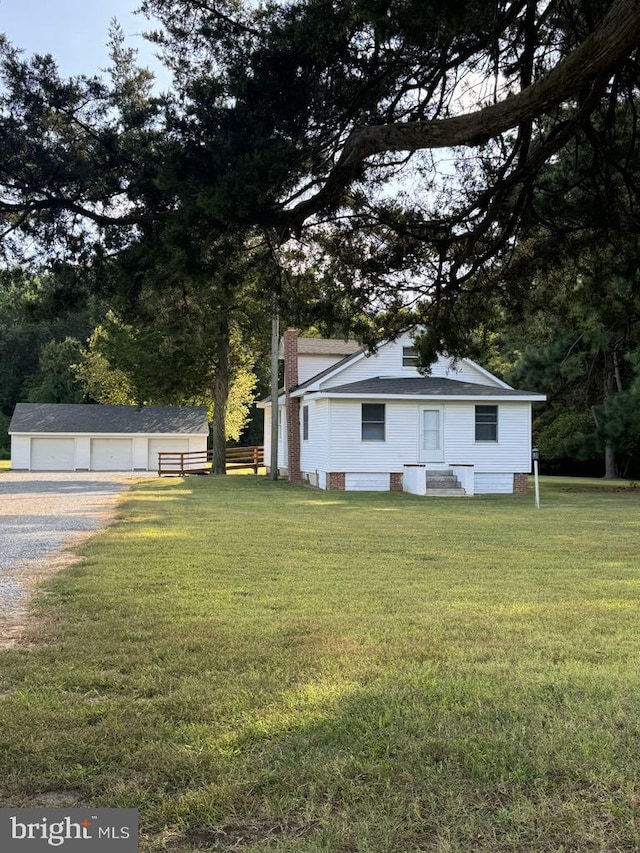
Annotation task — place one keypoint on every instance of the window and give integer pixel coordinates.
(305, 423)
(409, 357)
(486, 423)
(431, 429)
(373, 421)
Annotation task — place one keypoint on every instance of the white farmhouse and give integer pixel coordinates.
(355, 420)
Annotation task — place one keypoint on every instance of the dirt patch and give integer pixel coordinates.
(44, 519)
(18, 624)
(57, 799)
(237, 836)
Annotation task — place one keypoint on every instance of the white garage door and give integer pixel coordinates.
(165, 445)
(111, 454)
(53, 454)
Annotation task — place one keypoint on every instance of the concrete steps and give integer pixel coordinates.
(443, 484)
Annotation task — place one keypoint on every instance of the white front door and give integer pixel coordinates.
(431, 434)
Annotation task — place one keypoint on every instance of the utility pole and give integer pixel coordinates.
(275, 345)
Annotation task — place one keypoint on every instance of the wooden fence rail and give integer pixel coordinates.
(245, 457)
(180, 463)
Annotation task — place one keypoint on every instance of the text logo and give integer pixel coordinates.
(69, 830)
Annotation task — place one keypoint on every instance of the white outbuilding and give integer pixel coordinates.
(77, 437)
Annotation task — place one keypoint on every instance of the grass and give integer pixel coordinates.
(584, 484)
(5, 465)
(262, 668)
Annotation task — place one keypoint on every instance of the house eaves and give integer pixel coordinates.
(423, 388)
(327, 373)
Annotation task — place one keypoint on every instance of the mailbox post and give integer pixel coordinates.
(535, 455)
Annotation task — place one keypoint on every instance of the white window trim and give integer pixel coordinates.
(475, 424)
(383, 422)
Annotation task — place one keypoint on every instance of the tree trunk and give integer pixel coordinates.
(610, 377)
(610, 472)
(220, 394)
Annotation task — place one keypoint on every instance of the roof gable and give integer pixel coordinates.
(94, 418)
(387, 362)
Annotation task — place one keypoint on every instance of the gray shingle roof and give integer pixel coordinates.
(71, 418)
(423, 386)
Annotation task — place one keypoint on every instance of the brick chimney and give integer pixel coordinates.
(292, 404)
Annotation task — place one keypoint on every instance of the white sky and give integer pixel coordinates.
(73, 31)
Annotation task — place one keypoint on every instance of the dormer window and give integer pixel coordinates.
(409, 357)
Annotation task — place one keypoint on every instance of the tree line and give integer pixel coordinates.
(363, 167)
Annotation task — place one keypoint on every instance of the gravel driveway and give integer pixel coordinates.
(40, 515)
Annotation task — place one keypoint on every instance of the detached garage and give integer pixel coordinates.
(61, 437)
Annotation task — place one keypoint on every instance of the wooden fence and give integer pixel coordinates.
(245, 457)
(180, 463)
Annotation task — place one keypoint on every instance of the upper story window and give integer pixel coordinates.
(409, 357)
(486, 423)
(305, 423)
(373, 421)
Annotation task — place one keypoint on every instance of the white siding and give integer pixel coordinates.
(20, 452)
(367, 482)
(493, 484)
(388, 362)
(153, 447)
(310, 365)
(314, 452)
(83, 453)
(350, 453)
(462, 371)
(512, 451)
(282, 437)
(283, 444)
(266, 435)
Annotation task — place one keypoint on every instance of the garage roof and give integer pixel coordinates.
(79, 418)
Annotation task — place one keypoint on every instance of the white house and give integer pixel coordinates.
(371, 421)
(69, 437)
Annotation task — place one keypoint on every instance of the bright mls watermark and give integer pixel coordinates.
(69, 830)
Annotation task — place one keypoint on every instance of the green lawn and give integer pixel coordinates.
(258, 667)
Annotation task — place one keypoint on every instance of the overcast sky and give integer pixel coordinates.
(73, 31)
